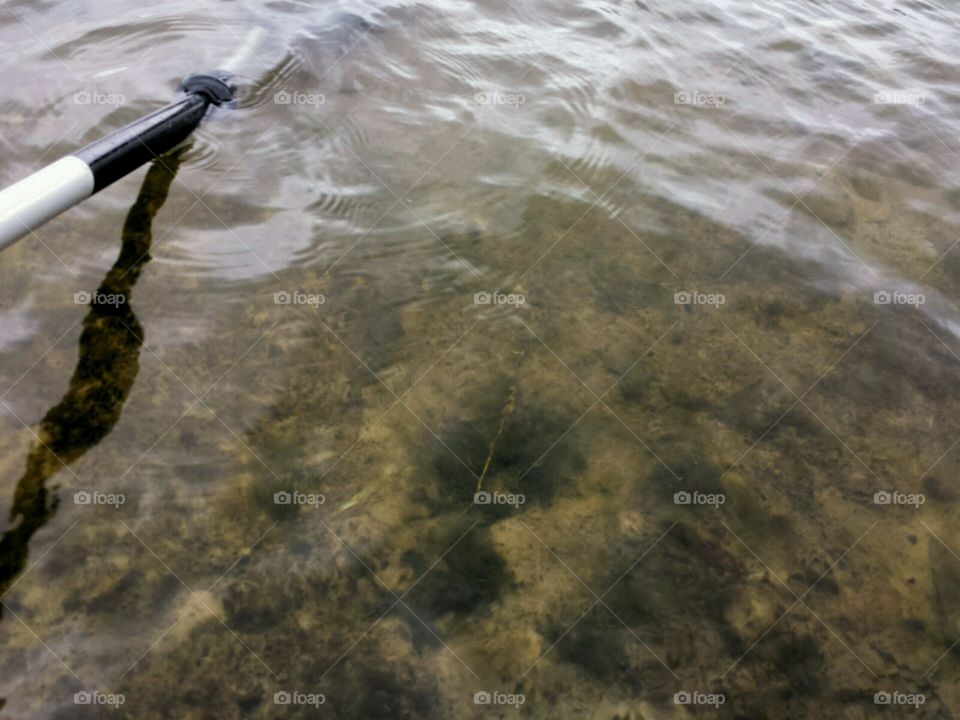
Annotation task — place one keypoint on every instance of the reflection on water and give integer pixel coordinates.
(106, 370)
(690, 463)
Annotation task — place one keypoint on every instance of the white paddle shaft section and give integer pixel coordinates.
(28, 204)
(237, 63)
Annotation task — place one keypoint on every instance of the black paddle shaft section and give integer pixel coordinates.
(126, 149)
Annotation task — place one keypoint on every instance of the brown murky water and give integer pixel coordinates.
(672, 286)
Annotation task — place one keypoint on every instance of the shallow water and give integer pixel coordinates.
(683, 215)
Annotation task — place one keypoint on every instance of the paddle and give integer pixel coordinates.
(29, 203)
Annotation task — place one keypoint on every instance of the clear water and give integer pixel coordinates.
(778, 164)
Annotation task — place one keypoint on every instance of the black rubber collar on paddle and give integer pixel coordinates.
(126, 149)
(217, 86)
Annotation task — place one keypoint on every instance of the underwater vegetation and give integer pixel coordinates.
(106, 369)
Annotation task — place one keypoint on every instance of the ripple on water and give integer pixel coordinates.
(261, 91)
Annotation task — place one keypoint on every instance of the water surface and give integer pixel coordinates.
(604, 256)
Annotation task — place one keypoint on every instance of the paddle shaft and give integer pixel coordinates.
(29, 203)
